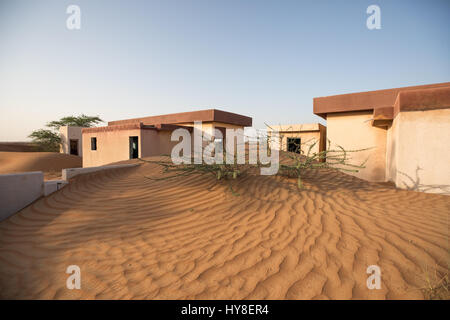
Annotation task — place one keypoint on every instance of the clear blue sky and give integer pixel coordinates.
(265, 59)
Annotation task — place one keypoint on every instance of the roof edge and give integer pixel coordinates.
(360, 101)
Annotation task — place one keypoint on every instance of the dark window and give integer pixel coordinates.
(134, 150)
(293, 145)
(94, 143)
(74, 147)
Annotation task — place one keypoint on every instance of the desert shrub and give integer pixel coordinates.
(219, 171)
(334, 159)
(436, 284)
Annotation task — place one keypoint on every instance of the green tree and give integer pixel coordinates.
(49, 139)
(80, 121)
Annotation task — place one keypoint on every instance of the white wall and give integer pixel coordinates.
(67, 133)
(72, 172)
(354, 131)
(19, 190)
(418, 156)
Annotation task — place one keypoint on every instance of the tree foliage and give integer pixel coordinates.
(49, 139)
(80, 121)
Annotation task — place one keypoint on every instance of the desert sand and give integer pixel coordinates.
(51, 163)
(19, 146)
(138, 238)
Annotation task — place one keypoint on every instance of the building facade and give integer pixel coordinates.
(407, 130)
(71, 140)
(300, 138)
(151, 136)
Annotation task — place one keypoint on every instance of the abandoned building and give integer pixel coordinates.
(407, 129)
(71, 140)
(299, 137)
(150, 136)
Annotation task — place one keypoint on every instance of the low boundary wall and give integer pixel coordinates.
(18, 190)
(72, 172)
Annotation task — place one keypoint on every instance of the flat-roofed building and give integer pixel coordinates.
(407, 128)
(300, 138)
(71, 140)
(151, 136)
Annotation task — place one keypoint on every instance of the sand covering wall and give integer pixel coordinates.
(136, 238)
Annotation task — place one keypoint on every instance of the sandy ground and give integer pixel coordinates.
(137, 238)
(51, 163)
(18, 146)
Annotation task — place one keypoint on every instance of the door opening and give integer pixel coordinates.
(293, 145)
(134, 149)
(74, 147)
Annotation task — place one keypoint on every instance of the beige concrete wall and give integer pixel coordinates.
(165, 145)
(112, 146)
(67, 133)
(418, 156)
(209, 126)
(156, 143)
(309, 133)
(392, 138)
(352, 131)
(149, 143)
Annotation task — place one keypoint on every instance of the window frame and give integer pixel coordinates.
(93, 143)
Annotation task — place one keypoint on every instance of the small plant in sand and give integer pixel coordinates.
(436, 284)
(220, 171)
(303, 158)
(333, 159)
(296, 165)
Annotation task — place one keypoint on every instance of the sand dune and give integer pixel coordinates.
(136, 238)
(51, 163)
(18, 146)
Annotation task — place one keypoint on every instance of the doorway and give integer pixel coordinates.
(134, 148)
(293, 145)
(74, 147)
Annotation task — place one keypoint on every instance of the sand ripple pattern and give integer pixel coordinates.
(192, 238)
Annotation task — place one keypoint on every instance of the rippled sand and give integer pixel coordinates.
(136, 238)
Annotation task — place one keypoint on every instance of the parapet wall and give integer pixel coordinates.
(18, 190)
(72, 172)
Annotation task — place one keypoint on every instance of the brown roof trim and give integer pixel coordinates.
(232, 118)
(382, 117)
(130, 126)
(135, 126)
(421, 100)
(361, 101)
(171, 127)
(383, 113)
(303, 127)
(183, 117)
(412, 100)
